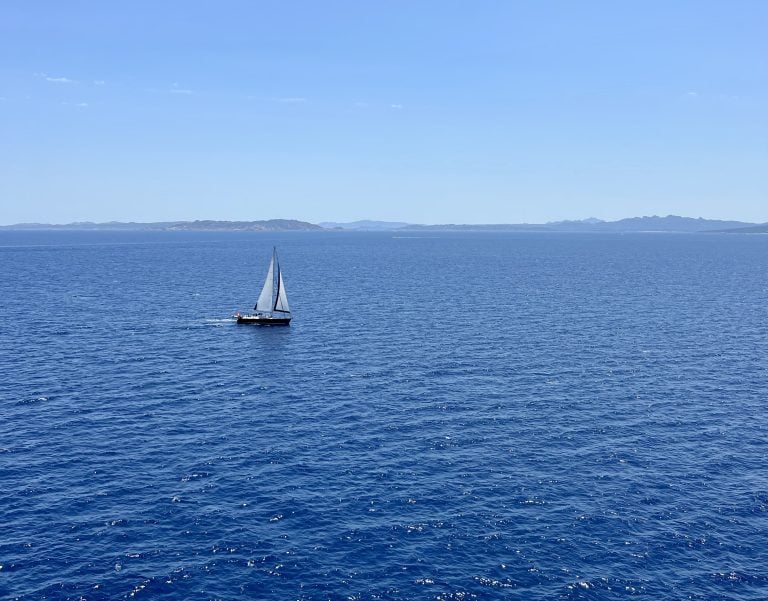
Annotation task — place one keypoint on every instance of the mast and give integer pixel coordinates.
(277, 278)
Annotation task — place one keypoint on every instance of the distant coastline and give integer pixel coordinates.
(270, 225)
(668, 224)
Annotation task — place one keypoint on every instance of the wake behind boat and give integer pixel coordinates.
(272, 305)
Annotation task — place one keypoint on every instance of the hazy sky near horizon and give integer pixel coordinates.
(430, 112)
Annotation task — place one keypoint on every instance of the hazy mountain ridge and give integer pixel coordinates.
(654, 223)
(673, 223)
(364, 225)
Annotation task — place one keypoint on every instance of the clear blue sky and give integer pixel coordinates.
(422, 111)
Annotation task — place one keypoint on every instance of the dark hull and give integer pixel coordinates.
(262, 320)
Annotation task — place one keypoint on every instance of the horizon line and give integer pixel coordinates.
(586, 220)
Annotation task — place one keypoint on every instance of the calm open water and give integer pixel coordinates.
(450, 416)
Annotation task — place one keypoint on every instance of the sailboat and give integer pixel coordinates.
(272, 305)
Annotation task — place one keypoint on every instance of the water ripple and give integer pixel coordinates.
(449, 417)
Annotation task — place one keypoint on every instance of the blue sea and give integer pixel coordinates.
(450, 416)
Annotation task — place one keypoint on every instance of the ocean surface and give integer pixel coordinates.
(450, 416)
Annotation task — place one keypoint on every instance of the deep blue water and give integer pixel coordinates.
(450, 416)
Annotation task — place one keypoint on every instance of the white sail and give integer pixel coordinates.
(281, 303)
(265, 298)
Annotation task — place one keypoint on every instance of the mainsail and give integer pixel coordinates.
(265, 298)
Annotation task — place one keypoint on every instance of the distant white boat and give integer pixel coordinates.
(272, 305)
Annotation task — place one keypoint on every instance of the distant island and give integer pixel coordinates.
(269, 225)
(668, 224)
